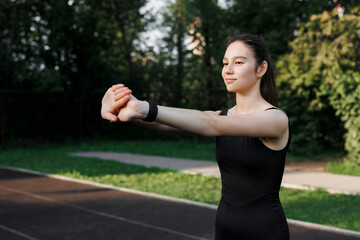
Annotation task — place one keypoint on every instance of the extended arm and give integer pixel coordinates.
(118, 97)
(207, 123)
(156, 126)
(266, 124)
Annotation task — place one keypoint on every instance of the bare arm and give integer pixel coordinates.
(117, 97)
(156, 126)
(265, 124)
(270, 124)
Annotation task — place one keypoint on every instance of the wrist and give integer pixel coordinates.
(143, 109)
(152, 111)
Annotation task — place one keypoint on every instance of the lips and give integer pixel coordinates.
(230, 80)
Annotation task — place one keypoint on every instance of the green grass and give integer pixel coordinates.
(314, 206)
(57, 160)
(179, 149)
(188, 149)
(321, 207)
(343, 168)
(327, 153)
(206, 151)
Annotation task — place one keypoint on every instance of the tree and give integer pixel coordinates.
(175, 20)
(207, 30)
(128, 19)
(322, 75)
(276, 20)
(19, 41)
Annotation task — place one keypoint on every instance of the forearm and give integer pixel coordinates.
(155, 126)
(270, 124)
(188, 120)
(169, 119)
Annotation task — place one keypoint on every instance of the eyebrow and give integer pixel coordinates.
(237, 57)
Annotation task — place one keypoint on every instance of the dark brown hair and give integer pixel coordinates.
(258, 46)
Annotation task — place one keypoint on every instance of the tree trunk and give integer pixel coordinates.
(127, 45)
(180, 63)
(7, 50)
(208, 69)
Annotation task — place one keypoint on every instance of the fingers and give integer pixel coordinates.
(109, 116)
(120, 93)
(122, 101)
(117, 86)
(115, 98)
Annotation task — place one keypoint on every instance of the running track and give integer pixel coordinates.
(39, 207)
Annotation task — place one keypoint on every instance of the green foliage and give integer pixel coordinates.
(345, 97)
(321, 75)
(80, 48)
(72, 47)
(274, 20)
(208, 29)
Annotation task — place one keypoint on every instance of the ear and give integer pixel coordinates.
(261, 69)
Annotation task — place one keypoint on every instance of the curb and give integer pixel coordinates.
(129, 190)
(325, 228)
(210, 169)
(310, 188)
(181, 200)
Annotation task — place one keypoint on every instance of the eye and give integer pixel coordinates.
(225, 63)
(238, 62)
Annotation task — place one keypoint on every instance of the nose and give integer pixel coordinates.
(229, 69)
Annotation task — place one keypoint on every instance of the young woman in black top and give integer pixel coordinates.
(252, 139)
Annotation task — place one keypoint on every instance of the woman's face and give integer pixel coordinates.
(239, 71)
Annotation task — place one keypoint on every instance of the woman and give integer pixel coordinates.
(252, 139)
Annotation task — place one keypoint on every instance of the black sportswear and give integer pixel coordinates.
(251, 175)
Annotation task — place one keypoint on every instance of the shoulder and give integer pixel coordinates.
(277, 117)
(277, 112)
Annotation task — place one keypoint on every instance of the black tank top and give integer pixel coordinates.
(251, 175)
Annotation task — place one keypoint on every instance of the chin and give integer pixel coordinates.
(230, 89)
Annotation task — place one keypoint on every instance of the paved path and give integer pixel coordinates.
(333, 183)
(36, 206)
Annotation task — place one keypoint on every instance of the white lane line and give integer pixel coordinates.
(102, 213)
(18, 233)
(179, 200)
(128, 190)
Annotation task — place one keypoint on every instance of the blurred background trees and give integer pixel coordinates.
(321, 75)
(57, 58)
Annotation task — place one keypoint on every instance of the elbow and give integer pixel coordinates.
(211, 127)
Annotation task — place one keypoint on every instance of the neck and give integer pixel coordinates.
(250, 101)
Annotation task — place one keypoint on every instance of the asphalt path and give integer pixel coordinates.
(39, 207)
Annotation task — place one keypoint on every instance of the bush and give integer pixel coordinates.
(319, 82)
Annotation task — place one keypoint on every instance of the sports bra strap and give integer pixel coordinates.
(224, 112)
(271, 108)
(276, 109)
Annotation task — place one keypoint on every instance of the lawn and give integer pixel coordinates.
(313, 206)
(343, 168)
